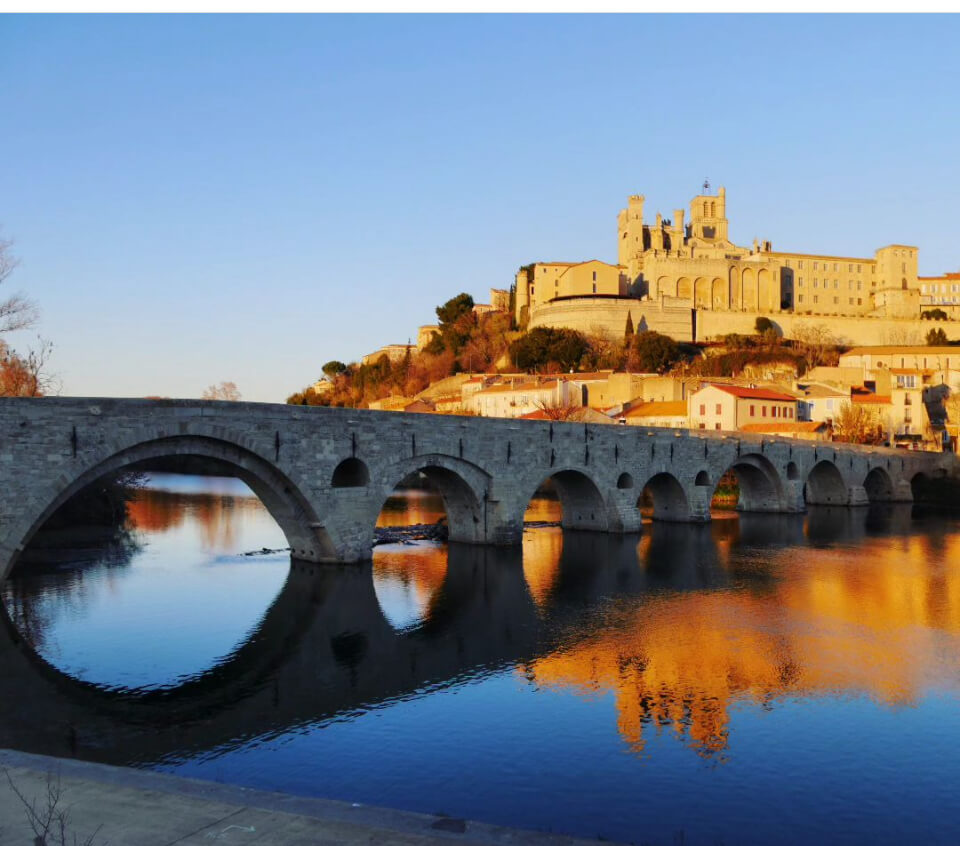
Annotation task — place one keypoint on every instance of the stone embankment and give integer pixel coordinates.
(125, 807)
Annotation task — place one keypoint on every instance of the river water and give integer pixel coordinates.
(763, 679)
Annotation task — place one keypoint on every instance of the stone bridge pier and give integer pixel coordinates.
(325, 473)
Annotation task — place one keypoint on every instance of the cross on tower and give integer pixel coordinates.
(706, 186)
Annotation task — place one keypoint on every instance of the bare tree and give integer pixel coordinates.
(16, 311)
(47, 816)
(816, 343)
(558, 410)
(26, 375)
(227, 391)
(857, 424)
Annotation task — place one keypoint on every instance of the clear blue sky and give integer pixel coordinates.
(197, 199)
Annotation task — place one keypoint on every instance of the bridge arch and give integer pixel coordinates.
(919, 486)
(350, 473)
(761, 488)
(666, 497)
(825, 485)
(879, 485)
(462, 487)
(581, 500)
(280, 494)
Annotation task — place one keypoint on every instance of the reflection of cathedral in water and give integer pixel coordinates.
(679, 624)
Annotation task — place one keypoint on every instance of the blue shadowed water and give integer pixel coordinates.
(764, 679)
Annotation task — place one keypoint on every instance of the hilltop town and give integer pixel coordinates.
(689, 330)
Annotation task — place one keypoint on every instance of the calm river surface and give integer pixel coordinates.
(762, 679)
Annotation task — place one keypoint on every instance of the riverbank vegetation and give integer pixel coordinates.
(470, 342)
(22, 374)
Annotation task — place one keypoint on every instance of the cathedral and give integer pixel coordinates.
(690, 263)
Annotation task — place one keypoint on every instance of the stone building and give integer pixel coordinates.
(671, 266)
(730, 407)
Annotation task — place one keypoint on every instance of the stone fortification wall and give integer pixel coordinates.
(594, 315)
(858, 331)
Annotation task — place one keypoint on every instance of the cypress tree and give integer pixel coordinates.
(628, 334)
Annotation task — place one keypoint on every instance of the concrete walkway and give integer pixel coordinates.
(118, 806)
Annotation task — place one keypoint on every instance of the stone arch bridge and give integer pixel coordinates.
(324, 473)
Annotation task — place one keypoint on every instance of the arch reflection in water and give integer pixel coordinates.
(688, 630)
(100, 617)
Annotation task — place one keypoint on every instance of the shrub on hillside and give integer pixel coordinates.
(544, 346)
(652, 352)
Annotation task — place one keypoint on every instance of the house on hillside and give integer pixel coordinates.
(730, 407)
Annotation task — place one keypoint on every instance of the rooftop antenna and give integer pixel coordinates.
(706, 186)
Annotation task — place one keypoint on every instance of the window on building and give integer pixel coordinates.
(719, 408)
(531, 290)
(836, 300)
(800, 298)
(716, 426)
(752, 411)
(849, 268)
(594, 287)
(703, 409)
(836, 283)
(851, 301)
(859, 301)
(800, 265)
(815, 284)
(594, 276)
(800, 281)
(815, 299)
(858, 268)
(763, 411)
(815, 266)
(703, 425)
(787, 262)
(859, 285)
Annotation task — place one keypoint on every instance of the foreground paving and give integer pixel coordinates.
(116, 805)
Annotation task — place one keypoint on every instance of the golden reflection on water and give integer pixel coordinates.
(880, 619)
(412, 507)
(215, 515)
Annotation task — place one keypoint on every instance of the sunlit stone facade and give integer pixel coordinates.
(691, 263)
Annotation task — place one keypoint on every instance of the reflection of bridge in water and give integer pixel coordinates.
(678, 649)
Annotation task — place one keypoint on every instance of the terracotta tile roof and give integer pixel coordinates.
(870, 399)
(902, 349)
(751, 393)
(799, 426)
(657, 409)
(824, 391)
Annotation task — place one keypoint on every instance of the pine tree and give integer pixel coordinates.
(628, 334)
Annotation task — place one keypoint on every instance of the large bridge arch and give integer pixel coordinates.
(826, 486)
(761, 487)
(667, 496)
(581, 496)
(280, 494)
(463, 486)
(879, 486)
